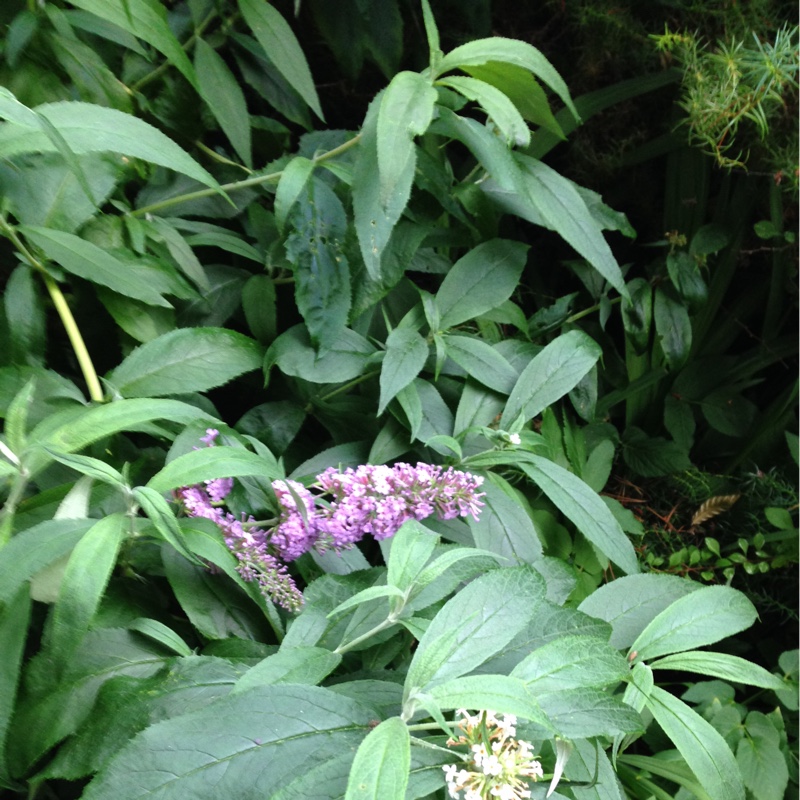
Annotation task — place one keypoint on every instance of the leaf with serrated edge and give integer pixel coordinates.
(380, 768)
(249, 744)
(701, 618)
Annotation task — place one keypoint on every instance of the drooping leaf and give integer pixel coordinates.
(481, 361)
(322, 272)
(509, 51)
(550, 375)
(185, 360)
(221, 91)
(82, 587)
(88, 128)
(405, 111)
(723, 666)
(702, 747)
(145, 21)
(281, 45)
(93, 263)
(225, 747)
(585, 509)
(695, 620)
(631, 602)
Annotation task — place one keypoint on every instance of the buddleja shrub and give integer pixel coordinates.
(298, 610)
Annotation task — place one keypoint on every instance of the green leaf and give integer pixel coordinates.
(160, 513)
(631, 602)
(186, 360)
(322, 272)
(502, 111)
(674, 328)
(259, 303)
(721, 665)
(503, 527)
(345, 359)
(14, 618)
(34, 549)
(703, 749)
(87, 128)
(687, 280)
(563, 209)
(406, 353)
(474, 625)
(293, 729)
(304, 665)
(375, 220)
(653, 456)
(695, 620)
(761, 760)
(522, 89)
(482, 362)
(380, 768)
(411, 548)
(550, 375)
(210, 463)
(585, 509)
(500, 693)
(366, 596)
(93, 467)
(144, 20)
(406, 110)
(93, 263)
(571, 662)
(281, 46)
(44, 190)
(159, 632)
(74, 429)
(508, 51)
(127, 704)
(637, 314)
(583, 713)
(481, 280)
(82, 587)
(223, 95)
(292, 182)
(24, 312)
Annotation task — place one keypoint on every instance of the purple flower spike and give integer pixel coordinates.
(296, 532)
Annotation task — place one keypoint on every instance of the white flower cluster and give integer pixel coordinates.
(498, 764)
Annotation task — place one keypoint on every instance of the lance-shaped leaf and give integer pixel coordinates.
(210, 463)
(673, 326)
(479, 281)
(85, 578)
(144, 20)
(94, 264)
(406, 110)
(290, 186)
(584, 508)
(88, 128)
(380, 768)
(474, 625)
(509, 51)
(723, 666)
(502, 111)
(695, 620)
(322, 272)
(552, 373)
(482, 362)
(282, 48)
(702, 747)
(186, 360)
(306, 665)
(258, 742)
(406, 353)
(223, 95)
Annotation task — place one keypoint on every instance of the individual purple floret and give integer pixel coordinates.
(296, 532)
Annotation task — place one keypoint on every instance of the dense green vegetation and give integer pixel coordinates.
(399, 399)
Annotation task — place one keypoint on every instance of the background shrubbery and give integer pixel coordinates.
(552, 245)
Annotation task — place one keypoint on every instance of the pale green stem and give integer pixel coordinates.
(236, 185)
(387, 623)
(63, 309)
(221, 159)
